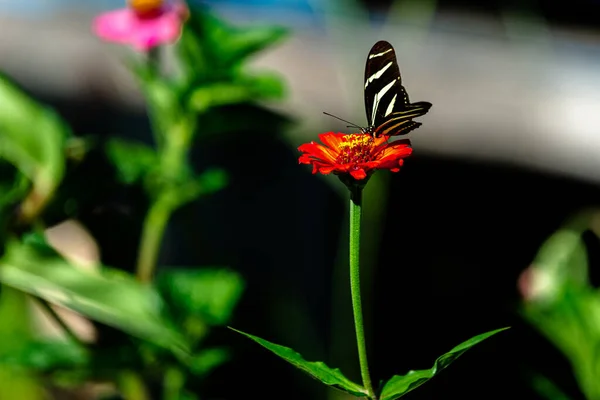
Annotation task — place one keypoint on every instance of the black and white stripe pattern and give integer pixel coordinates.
(389, 111)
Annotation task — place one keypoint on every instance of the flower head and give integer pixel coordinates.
(354, 155)
(144, 24)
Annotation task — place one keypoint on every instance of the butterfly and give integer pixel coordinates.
(389, 111)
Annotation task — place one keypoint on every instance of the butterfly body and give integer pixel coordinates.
(389, 110)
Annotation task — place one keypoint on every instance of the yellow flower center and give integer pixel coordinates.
(355, 148)
(144, 7)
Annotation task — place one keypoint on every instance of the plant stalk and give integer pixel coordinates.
(153, 231)
(355, 219)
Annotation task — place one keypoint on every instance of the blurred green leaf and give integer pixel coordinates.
(250, 88)
(563, 256)
(13, 186)
(15, 334)
(548, 389)
(108, 295)
(209, 359)
(572, 323)
(212, 180)
(399, 385)
(32, 138)
(215, 47)
(208, 293)
(236, 44)
(329, 376)
(14, 308)
(23, 384)
(133, 160)
(47, 355)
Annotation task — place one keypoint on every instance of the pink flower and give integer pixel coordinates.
(144, 24)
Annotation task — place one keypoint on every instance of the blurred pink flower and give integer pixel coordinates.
(537, 285)
(144, 24)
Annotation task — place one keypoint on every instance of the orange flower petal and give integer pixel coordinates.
(358, 173)
(332, 140)
(318, 151)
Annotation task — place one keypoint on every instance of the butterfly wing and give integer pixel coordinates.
(381, 74)
(400, 122)
(389, 110)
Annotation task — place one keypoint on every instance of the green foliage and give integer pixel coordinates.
(329, 376)
(133, 160)
(212, 50)
(108, 296)
(562, 303)
(244, 89)
(547, 389)
(14, 339)
(209, 294)
(399, 385)
(394, 388)
(32, 138)
(167, 319)
(209, 359)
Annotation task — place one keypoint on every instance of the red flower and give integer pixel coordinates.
(357, 154)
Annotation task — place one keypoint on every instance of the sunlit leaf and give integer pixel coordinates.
(32, 138)
(108, 296)
(265, 86)
(399, 385)
(329, 376)
(132, 159)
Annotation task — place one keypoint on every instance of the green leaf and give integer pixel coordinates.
(212, 180)
(247, 89)
(218, 48)
(329, 376)
(399, 385)
(209, 359)
(15, 333)
(47, 355)
(23, 385)
(109, 296)
(133, 160)
(32, 138)
(208, 293)
(547, 389)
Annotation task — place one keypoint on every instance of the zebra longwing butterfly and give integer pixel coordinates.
(389, 111)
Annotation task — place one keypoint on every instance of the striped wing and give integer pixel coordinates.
(389, 110)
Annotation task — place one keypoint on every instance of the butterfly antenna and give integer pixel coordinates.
(352, 125)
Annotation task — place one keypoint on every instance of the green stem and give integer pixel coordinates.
(173, 157)
(355, 216)
(152, 234)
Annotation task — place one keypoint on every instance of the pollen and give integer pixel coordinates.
(356, 148)
(146, 6)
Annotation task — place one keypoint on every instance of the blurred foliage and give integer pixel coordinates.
(109, 296)
(561, 302)
(157, 331)
(32, 139)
